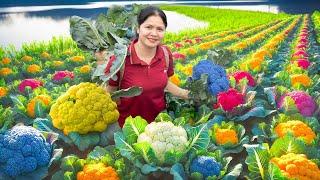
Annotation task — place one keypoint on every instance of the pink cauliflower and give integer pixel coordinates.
(188, 41)
(305, 41)
(32, 83)
(303, 63)
(178, 45)
(229, 99)
(198, 40)
(243, 74)
(177, 55)
(303, 34)
(60, 75)
(301, 46)
(303, 101)
(300, 53)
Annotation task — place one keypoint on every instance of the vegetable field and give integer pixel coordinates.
(253, 112)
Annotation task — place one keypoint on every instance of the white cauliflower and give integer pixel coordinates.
(163, 137)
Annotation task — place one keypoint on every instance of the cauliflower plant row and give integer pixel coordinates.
(164, 137)
(84, 108)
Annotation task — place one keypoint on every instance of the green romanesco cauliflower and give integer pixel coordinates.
(84, 108)
(163, 137)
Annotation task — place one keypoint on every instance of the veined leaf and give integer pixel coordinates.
(274, 172)
(120, 52)
(287, 144)
(67, 163)
(146, 151)
(172, 157)
(132, 128)
(125, 148)
(234, 173)
(163, 117)
(198, 137)
(86, 35)
(130, 92)
(83, 142)
(257, 160)
(178, 172)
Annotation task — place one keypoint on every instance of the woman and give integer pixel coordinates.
(146, 67)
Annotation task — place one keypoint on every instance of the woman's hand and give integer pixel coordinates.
(100, 56)
(177, 91)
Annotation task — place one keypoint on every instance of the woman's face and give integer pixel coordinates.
(151, 31)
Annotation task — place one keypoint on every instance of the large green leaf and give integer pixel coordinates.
(287, 144)
(39, 109)
(257, 160)
(46, 125)
(203, 114)
(178, 172)
(146, 151)
(271, 95)
(256, 112)
(198, 137)
(85, 34)
(132, 128)
(261, 132)
(274, 172)
(172, 157)
(83, 142)
(67, 163)
(120, 52)
(97, 153)
(148, 169)
(130, 92)
(107, 136)
(125, 148)
(234, 173)
(163, 117)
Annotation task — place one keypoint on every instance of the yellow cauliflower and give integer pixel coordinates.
(84, 108)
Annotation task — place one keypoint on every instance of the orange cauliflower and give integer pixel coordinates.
(97, 172)
(297, 166)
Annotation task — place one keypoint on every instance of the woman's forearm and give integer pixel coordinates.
(177, 91)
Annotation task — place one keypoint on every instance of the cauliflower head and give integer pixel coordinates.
(22, 150)
(302, 101)
(217, 77)
(97, 171)
(239, 75)
(206, 166)
(297, 166)
(84, 108)
(164, 137)
(230, 99)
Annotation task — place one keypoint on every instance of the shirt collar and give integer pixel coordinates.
(134, 59)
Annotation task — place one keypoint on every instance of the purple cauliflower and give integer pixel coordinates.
(302, 101)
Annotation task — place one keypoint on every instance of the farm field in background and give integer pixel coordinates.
(257, 116)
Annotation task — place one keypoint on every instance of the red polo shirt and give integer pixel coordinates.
(152, 78)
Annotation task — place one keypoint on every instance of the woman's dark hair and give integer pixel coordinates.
(151, 11)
